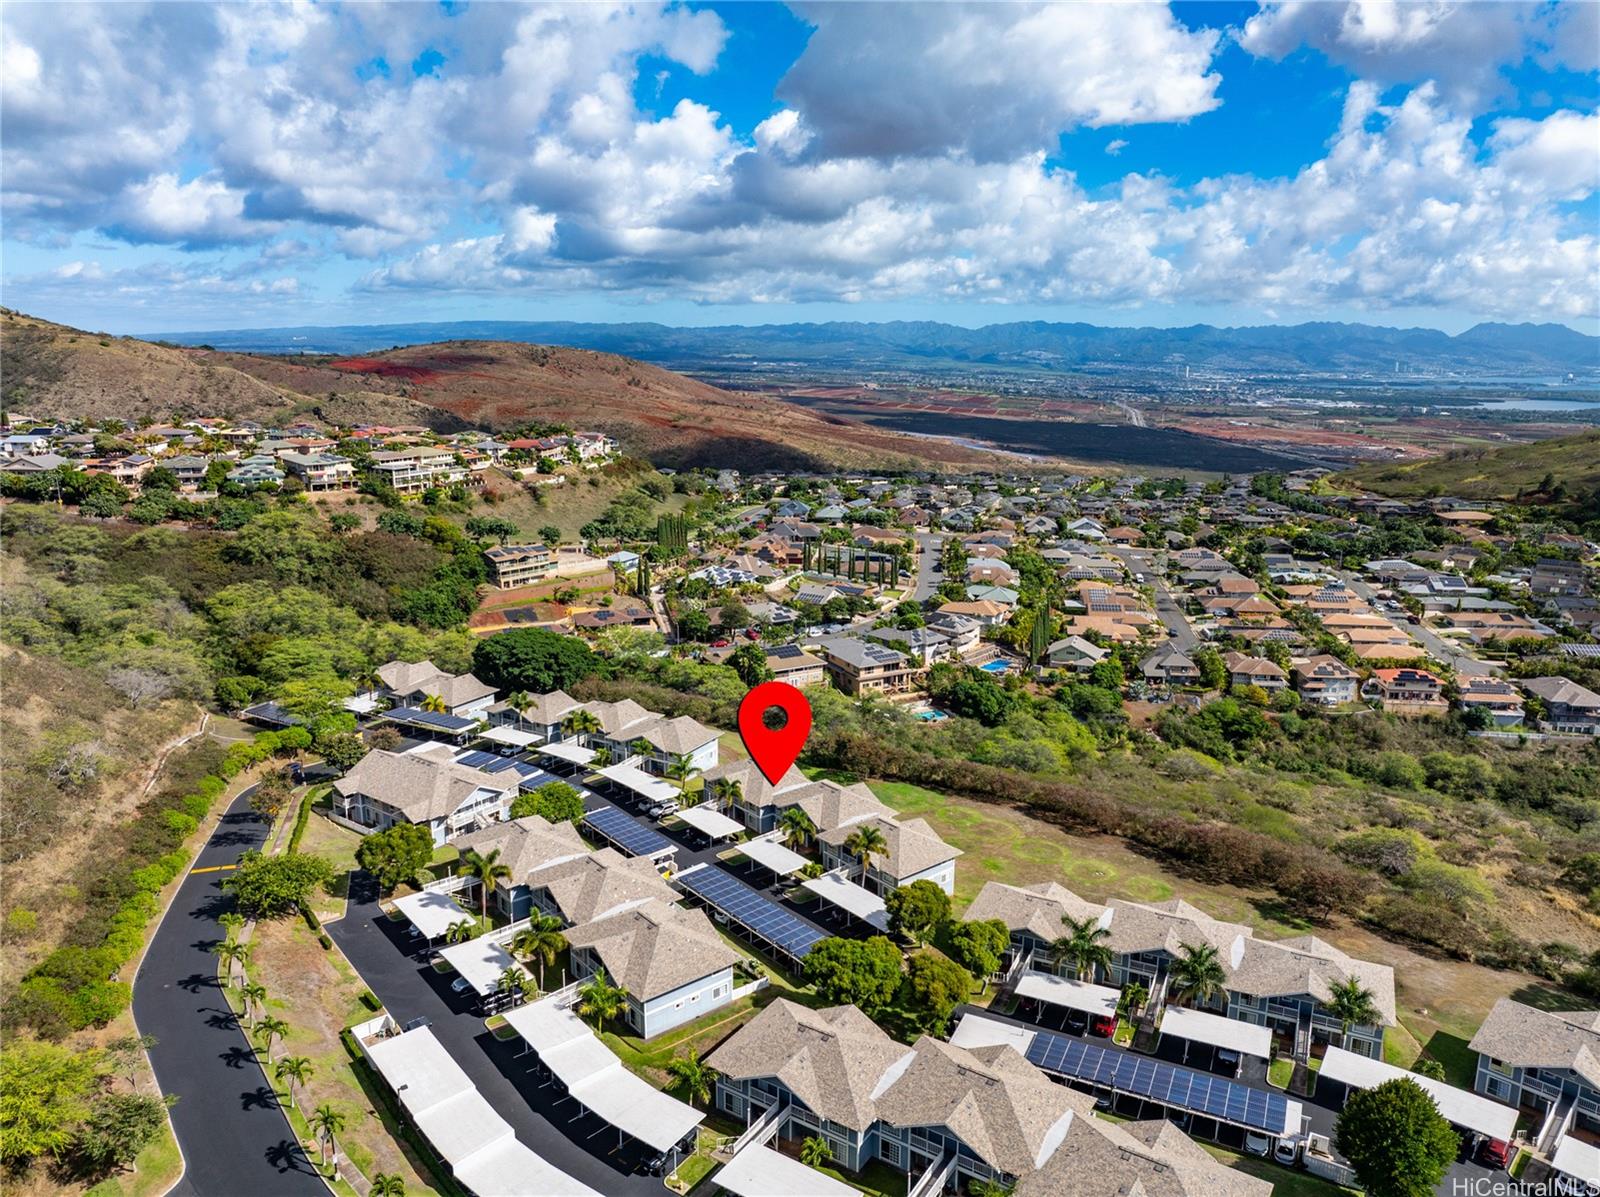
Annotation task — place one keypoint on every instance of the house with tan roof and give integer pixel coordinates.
(411, 683)
(1542, 1060)
(427, 788)
(590, 887)
(544, 715)
(1245, 670)
(914, 851)
(524, 844)
(1152, 1158)
(668, 959)
(1325, 680)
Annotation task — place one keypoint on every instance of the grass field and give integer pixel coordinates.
(1490, 473)
(337, 845)
(569, 506)
(1286, 1182)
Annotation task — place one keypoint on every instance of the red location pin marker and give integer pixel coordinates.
(774, 749)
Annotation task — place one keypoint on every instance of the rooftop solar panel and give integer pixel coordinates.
(760, 916)
(1181, 1088)
(627, 833)
(435, 719)
(478, 760)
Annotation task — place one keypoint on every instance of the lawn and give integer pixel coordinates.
(1286, 1182)
(337, 845)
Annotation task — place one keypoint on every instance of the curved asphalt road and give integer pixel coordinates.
(235, 1140)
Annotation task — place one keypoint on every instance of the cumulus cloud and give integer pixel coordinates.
(914, 153)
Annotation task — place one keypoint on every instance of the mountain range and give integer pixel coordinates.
(1484, 349)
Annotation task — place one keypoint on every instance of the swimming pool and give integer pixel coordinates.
(995, 666)
(932, 716)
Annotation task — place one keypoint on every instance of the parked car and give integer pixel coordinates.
(1227, 1061)
(1077, 1022)
(460, 985)
(719, 644)
(1103, 1100)
(1496, 1153)
(752, 634)
(1103, 1027)
(1287, 1152)
(1257, 1144)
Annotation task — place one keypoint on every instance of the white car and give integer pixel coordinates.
(1257, 1144)
(460, 985)
(1286, 1151)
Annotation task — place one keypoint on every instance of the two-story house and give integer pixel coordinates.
(1492, 694)
(1407, 691)
(669, 960)
(414, 470)
(913, 851)
(1170, 666)
(1544, 1061)
(859, 667)
(519, 564)
(545, 715)
(425, 787)
(524, 844)
(1569, 708)
(1325, 680)
(1245, 670)
(410, 683)
(320, 471)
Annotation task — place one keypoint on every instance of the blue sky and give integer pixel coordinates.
(1427, 163)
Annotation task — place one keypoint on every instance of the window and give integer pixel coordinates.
(890, 1151)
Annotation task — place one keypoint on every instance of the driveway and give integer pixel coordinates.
(929, 545)
(235, 1140)
(402, 979)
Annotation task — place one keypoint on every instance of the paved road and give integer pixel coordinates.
(1440, 647)
(929, 544)
(1168, 609)
(236, 1141)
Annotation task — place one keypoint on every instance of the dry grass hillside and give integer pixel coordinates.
(52, 370)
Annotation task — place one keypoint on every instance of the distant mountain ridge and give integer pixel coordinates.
(1314, 347)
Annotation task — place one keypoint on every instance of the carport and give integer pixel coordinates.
(511, 737)
(759, 1171)
(637, 781)
(1469, 1111)
(1216, 1032)
(481, 962)
(595, 1079)
(838, 890)
(773, 856)
(1097, 1001)
(1577, 1159)
(572, 754)
(432, 913)
(713, 824)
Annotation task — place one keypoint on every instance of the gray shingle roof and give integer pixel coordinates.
(1525, 1037)
(593, 886)
(420, 786)
(655, 947)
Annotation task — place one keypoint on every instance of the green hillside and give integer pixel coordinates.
(1495, 473)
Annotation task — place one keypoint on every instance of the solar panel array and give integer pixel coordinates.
(478, 760)
(627, 833)
(760, 916)
(1181, 1088)
(435, 719)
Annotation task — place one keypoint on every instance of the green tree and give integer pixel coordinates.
(980, 946)
(118, 1128)
(293, 1070)
(270, 1028)
(917, 910)
(533, 659)
(1396, 1139)
(693, 624)
(555, 800)
(272, 886)
(44, 1094)
(681, 770)
(387, 1184)
(327, 1123)
(491, 527)
(396, 854)
(693, 1077)
(814, 1151)
(1352, 1004)
(487, 869)
(1197, 975)
(254, 996)
(540, 940)
(939, 985)
(798, 829)
(1213, 674)
(865, 843)
(1083, 948)
(863, 972)
(343, 751)
(749, 661)
(600, 1000)
(550, 534)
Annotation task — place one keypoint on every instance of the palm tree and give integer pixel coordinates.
(1083, 947)
(693, 1075)
(864, 843)
(432, 702)
(602, 756)
(1352, 1004)
(815, 1151)
(1197, 975)
(540, 940)
(681, 769)
(1134, 995)
(460, 932)
(231, 922)
(600, 999)
(294, 1070)
(387, 1184)
(327, 1122)
(488, 869)
(271, 1027)
(510, 980)
(232, 952)
(581, 722)
(519, 701)
(730, 790)
(797, 827)
(254, 995)
(992, 1188)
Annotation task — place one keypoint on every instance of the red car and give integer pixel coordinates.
(751, 634)
(1103, 1027)
(719, 644)
(1495, 1152)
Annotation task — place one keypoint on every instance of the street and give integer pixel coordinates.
(1168, 609)
(1439, 647)
(928, 546)
(235, 1140)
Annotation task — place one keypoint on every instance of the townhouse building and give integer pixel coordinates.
(427, 788)
(525, 845)
(410, 683)
(1545, 1062)
(913, 851)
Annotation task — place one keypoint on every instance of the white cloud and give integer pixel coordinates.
(1115, 146)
